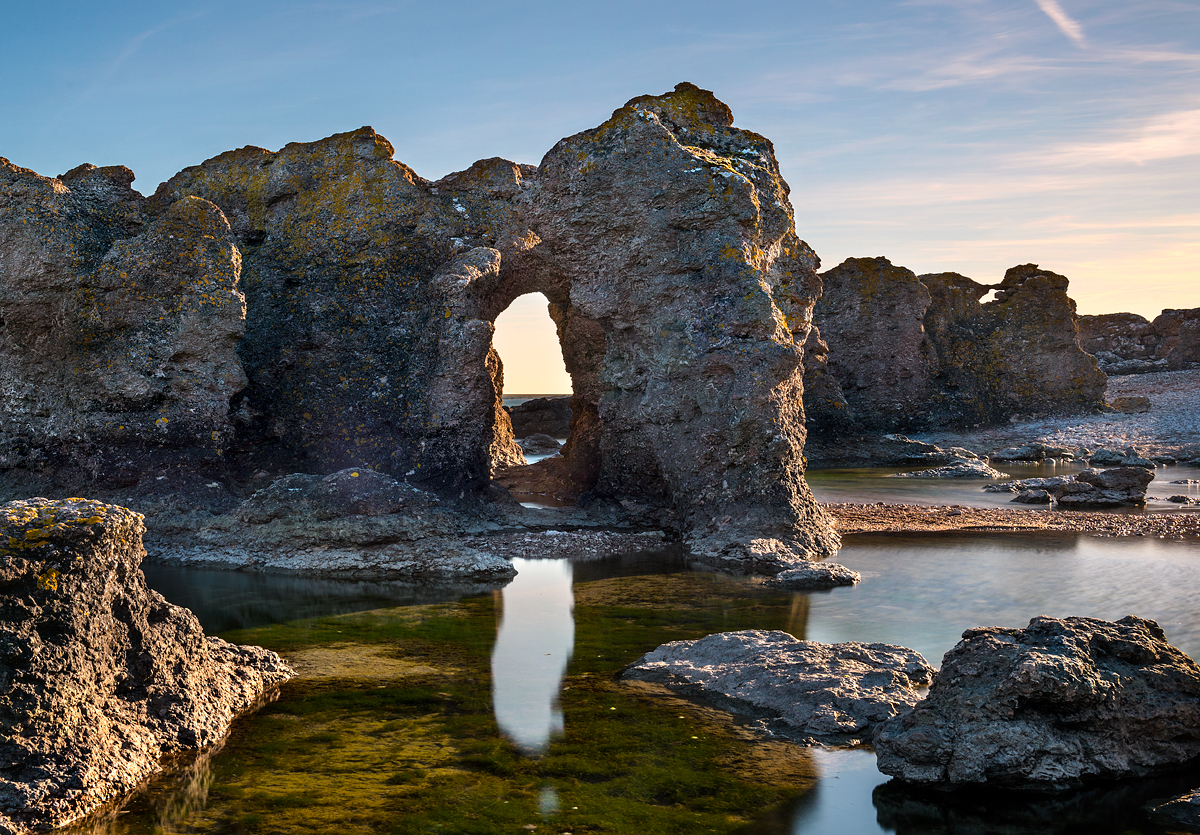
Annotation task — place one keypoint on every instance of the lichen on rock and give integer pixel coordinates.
(101, 676)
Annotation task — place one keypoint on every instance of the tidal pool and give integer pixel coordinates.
(499, 712)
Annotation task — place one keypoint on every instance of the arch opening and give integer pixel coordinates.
(537, 395)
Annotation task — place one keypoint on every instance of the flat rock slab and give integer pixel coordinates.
(820, 575)
(803, 690)
(961, 469)
(1050, 706)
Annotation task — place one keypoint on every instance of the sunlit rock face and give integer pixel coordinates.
(363, 343)
(914, 352)
(101, 676)
(674, 233)
(323, 306)
(118, 331)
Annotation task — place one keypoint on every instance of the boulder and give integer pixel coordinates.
(102, 677)
(818, 575)
(800, 689)
(1049, 706)
(1116, 487)
(959, 469)
(1130, 405)
(538, 444)
(542, 416)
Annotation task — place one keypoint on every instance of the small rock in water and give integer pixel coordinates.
(961, 469)
(1184, 810)
(821, 575)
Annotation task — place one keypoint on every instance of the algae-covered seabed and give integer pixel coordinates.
(389, 728)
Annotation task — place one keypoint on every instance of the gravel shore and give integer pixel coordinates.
(893, 518)
(1171, 427)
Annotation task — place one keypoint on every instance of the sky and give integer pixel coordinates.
(964, 135)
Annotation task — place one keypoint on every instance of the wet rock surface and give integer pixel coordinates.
(102, 677)
(796, 689)
(1183, 810)
(353, 523)
(1053, 705)
(959, 469)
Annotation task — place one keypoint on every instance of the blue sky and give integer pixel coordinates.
(967, 135)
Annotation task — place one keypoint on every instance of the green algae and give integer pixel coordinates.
(422, 752)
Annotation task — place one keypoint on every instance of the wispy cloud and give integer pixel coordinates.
(1062, 20)
(1169, 136)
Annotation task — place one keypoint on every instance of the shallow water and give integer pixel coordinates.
(509, 717)
(876, 484)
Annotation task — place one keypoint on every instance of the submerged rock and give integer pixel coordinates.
(798, 689)
(101, 675)
(1050, 706)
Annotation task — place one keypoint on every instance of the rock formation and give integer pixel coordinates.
(663, 240)
(817, 576)
(1116, 487)
(913, 352)
(542, 416)
(800, 689)
(101, 676)
(1125, 343)
(352, 523)
(1050, 706)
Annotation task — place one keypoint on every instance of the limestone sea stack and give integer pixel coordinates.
(323, 307)
(1050, 706)
(100, 676)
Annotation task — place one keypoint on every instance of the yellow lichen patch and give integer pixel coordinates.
(48, 580)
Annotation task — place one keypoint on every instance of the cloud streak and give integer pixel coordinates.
(1062, 20)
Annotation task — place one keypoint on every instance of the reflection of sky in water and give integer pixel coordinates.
(533, 646)
(924, 591)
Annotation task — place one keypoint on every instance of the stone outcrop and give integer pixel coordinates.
(101, 676)
(799, 689)
(663, 240)
(1049, 706)
(817, 576)
(352, 523)
(959, 469)
(1126, 343)
(119, 330)
(674, 233)
(542, 416)
(917, 352)
(1116, 487)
